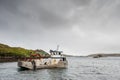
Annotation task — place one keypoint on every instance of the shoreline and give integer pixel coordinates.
(8, 60)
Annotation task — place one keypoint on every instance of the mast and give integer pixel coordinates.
(57, 48)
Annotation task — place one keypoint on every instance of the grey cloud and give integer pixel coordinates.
(10, 5)
(51, 15)
(79, 26)
(81, 2)
(42, 14)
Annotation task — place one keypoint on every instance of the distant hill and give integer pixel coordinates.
(72, 55)
(7, 51)
(104, 55)
(67, 55)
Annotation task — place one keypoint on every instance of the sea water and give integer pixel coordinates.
(79, 68)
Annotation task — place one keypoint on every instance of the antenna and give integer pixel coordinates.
(57, 47)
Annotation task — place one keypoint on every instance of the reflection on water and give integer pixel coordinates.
(45, 74)
(54, 75)
(78, 69)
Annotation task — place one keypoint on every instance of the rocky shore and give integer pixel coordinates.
(8, 59)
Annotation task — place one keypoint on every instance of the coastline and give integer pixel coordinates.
(8, 60)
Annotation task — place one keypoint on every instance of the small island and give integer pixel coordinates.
(98, 55)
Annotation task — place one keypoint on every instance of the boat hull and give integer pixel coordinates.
(38, 64)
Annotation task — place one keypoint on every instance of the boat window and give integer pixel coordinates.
(53, 53)
(64, 59)
(59, 53)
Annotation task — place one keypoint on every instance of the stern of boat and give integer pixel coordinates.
(25, 64)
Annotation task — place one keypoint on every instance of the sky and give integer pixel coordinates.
(79, 27)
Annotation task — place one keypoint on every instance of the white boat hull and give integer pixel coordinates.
(43, 63)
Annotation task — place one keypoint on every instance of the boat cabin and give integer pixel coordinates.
(52, 52)
(57, 55)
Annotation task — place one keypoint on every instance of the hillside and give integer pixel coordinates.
(7, 51)
(104, 55)
(67, 55)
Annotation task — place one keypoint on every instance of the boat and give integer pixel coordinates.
(56, 60)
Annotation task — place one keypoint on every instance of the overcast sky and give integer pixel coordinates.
(80, 27)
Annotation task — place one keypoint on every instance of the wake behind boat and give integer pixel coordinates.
(57, 60)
